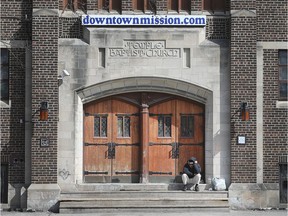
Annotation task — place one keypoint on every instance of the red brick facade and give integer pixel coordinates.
(40, 33)
(243, 89)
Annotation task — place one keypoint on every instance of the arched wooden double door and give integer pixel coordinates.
(113, 137)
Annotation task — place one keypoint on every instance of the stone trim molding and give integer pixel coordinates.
(243, 13)
(156, 84)
(45, 12)
(273, 45)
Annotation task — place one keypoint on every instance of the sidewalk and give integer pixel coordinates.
(158, 212)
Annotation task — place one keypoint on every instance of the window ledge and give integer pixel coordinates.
(282, 104)
(5, 105)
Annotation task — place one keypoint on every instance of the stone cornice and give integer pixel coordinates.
(243, 13)
(45, 12)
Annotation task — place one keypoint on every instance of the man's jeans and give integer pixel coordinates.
(195, 180)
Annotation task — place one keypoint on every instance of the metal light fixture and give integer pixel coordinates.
(43, 111)
(244, 112)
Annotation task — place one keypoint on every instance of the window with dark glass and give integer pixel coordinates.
(164, 126)
(123, 125)
(283, 77)
(179, 5)
(110, 5)
(187, 126)
(4, 74)
(100, 126)
(214, 5)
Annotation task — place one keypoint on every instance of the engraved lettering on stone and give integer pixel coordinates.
(144, 49)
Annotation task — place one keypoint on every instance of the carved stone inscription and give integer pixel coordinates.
(144, 49)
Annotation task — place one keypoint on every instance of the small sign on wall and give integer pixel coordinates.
(44, 142)
(241, 140)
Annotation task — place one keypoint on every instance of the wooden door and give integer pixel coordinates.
(162, 138)
(190, 126)
(111, 142)
(176, 133)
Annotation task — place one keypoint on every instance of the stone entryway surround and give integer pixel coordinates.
(120, 86)
(205, 80)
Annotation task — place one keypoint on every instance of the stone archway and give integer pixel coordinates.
(141, 84)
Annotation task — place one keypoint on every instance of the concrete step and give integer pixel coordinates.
(86, 206)
(70, 196)
(91, 197)
(134, 187)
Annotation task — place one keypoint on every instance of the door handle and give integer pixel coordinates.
(111, 151)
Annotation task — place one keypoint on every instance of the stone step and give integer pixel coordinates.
(134, 187)
(172, 202)
(90, 197)
(142, 194)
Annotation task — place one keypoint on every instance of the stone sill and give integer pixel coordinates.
(282, 104)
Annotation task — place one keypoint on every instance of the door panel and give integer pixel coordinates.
(192, 145)
(167, 155)
(126, 162)
(161, 163)
(109, 157)
(97, 165)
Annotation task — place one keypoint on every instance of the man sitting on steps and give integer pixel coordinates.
(191, 174)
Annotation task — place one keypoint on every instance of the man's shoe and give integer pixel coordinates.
(196, 187)
(185, 188)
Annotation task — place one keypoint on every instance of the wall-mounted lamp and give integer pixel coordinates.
(244, 112)
(61, 77)
(43, 111)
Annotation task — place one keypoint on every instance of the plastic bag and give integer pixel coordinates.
(218, 184)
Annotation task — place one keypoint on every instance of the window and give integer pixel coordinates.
(123, 125)
(179, 5)
(139, 5)
(100, 126)
(4, 74)
(283, 77)
(187, 126)
(214, 5)
(164, 126)
(110, 5)
(74, 4)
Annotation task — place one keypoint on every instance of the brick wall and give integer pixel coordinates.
(275, 138)
(70, 27)
(218, 28)
(243, 4)
(15, 25)
(126, 5)
(45, 88)
(272, 20)
(12, 131)
(243, 89)
(15, 20)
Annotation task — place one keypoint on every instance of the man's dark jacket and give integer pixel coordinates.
(192, 171)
